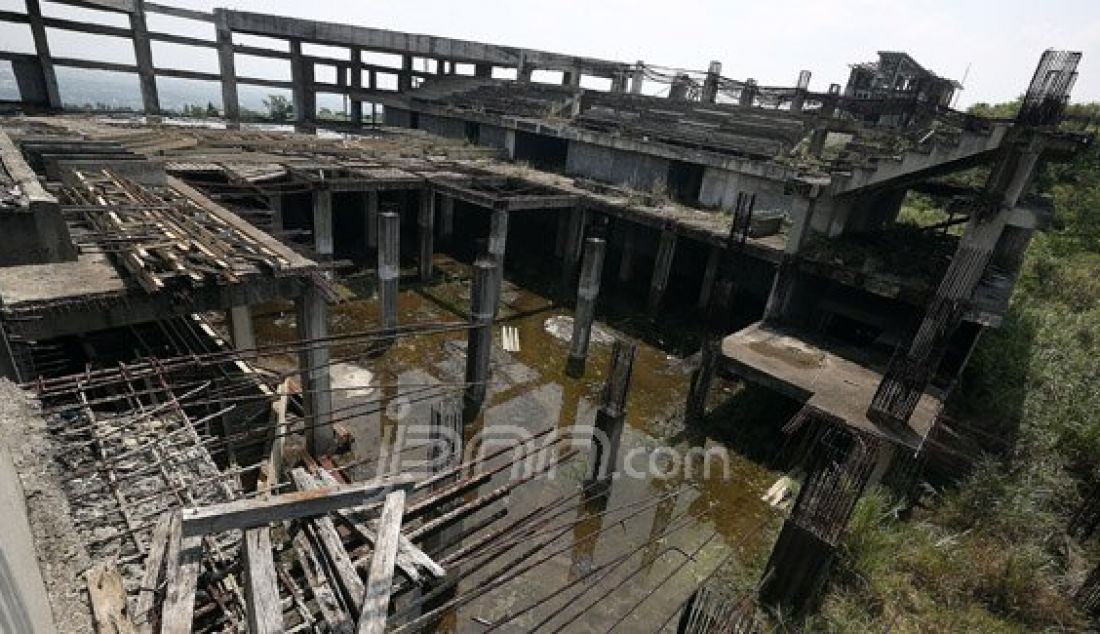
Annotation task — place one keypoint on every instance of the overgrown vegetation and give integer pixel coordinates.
(987, 550)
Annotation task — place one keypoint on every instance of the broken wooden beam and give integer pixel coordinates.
(265, 609)
(380, 580)
(411, 560)
(154, 570)
(251, 513)
(184, 561)
(333, 546)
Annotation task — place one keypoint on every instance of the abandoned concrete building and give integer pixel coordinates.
(335, 376)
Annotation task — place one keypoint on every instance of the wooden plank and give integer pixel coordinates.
(323, 593)
(333, 546)
(108, 599)
(265, 610)
(251, 513)
(184, 561)
(380, 580)
(154, 569)
(411, 560)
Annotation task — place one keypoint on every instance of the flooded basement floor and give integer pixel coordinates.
(628, 559)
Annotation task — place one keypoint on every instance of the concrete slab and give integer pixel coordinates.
(822, 375)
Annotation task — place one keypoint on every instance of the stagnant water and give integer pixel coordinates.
(674, 528)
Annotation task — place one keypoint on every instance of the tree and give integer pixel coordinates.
(279, 108)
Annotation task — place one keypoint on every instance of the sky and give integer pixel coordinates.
(994, 44)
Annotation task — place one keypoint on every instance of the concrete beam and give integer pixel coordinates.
(415, 44)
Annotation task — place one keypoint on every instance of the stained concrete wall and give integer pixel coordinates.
(720, 189)
(493, 136)
(608, 165)
(443, 126)
(397, 117)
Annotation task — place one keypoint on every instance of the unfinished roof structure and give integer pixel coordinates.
(259, 380)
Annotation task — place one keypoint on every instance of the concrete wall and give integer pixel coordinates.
(397, 117)
(443, 126)
(720, 189)
(24, 604)
(38, 235)
(493, 136)
(608, 165)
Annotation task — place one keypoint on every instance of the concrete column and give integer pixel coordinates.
(305, 103)
(817, 141)
(440, 67)
(782, 285)
(524, 70)
(371, 220)
(710, 84)
(228, 68)
(313, 366)
(484, 71)
(425, 222)
(638, 79)
(571, 78)
(498, 243)
(42, 49)
(446, 218)
(560, 234)
(405, 78)
(574, 242)
(709, 276)
(239, 319)
(143, 55)
(612, 413)
(748, 93)
(356, 83)
(701, 379)
(662, 269)
(389, 267)
(587, 293)
(630, 247)
(479, 343)
(322, 222)
(275, 201)
(510, 144)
